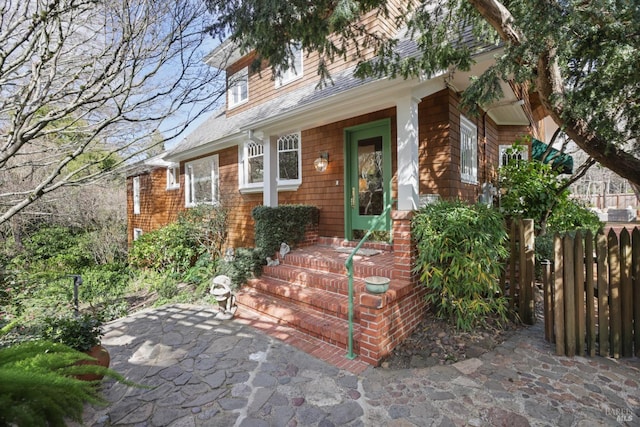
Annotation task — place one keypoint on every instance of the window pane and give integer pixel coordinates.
(288, 157)
(288, 165)
(256, 169)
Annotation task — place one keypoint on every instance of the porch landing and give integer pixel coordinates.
(304, 302)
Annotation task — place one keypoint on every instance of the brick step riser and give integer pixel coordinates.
(332, 304)
(333, 267)
(326, 331)
(325, 281)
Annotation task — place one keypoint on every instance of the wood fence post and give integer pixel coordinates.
(591, 311)
(527, 267)
(615, 322)
(512, 265)
(569, 296)
(558, 295)
(602, 256)
(548, 300)
(578, 277)
(635, 260)
(626, 295)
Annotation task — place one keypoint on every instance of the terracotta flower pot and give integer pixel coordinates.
(102, 357)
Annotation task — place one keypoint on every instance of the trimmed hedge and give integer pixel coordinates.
(285, 223)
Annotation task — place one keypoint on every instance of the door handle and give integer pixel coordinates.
(353, 197)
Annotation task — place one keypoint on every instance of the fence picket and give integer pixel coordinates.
(615, 320)
(626, 295)
(527, 267)
(513, 255)
(635, 260)
(602, 257)
(558, 307)
(591, 311)
(579, 303)
(569, 296)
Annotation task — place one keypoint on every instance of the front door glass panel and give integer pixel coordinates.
(370, 176)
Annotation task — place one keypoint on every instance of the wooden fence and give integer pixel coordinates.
(592, 294)
(518, 282)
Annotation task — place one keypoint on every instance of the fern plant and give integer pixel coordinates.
(38, 386)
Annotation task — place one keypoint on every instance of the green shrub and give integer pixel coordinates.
(56, 249)
(246, 263)
(172, 248)
(38, 387)
(569, 216)
(460, 248)
(176, 247)
(78, 332)
(284, 223)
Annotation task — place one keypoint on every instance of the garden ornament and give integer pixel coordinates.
(221, 290)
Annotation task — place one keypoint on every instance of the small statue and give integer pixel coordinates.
(221, 289)
(229, 255)
(272, 262)
(284, 249)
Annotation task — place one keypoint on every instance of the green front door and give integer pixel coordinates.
(367, 177)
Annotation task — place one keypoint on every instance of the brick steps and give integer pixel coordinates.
(296, 314)
(321, 280)
(308, 290)
(309, 298)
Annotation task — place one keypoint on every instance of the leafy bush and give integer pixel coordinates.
(284, 223)
(459, 252)
(568, 217)
(246, 263)
(56, 249)
(172, 248)
(531, 189)
(78, 332)
(176, 247)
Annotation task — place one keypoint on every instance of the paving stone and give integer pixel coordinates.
(229, 403)
(216, 379)
(345, 413)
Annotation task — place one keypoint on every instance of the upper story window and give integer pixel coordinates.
(238, 92)
(507, 153)
(136, 195)
(173, 177)
(202, 181)
(289, 164)
(294, 71)
(468, 151)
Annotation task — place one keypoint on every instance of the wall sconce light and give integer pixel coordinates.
(321, 162)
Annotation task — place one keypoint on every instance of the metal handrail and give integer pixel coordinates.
(349, 266)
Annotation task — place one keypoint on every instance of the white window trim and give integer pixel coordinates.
(173, 177)
(295, 71)
(233, 86)
(524, 153)
(137, 232)
(257, 187)
(215, 181)
(136, 195)
(468, 137)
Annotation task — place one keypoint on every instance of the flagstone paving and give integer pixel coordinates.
(206, 372)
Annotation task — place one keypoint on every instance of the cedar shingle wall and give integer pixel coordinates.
(320, 189)
(439, 159)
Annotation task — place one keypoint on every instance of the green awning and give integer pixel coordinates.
(561, 162)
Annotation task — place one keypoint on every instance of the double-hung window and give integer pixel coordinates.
(468, 151)
(289, 159)
(294, 70)
(288, 169)
(173, 177)
(202, 181)
(238, 84)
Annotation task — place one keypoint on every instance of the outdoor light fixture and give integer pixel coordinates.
(321, 162)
